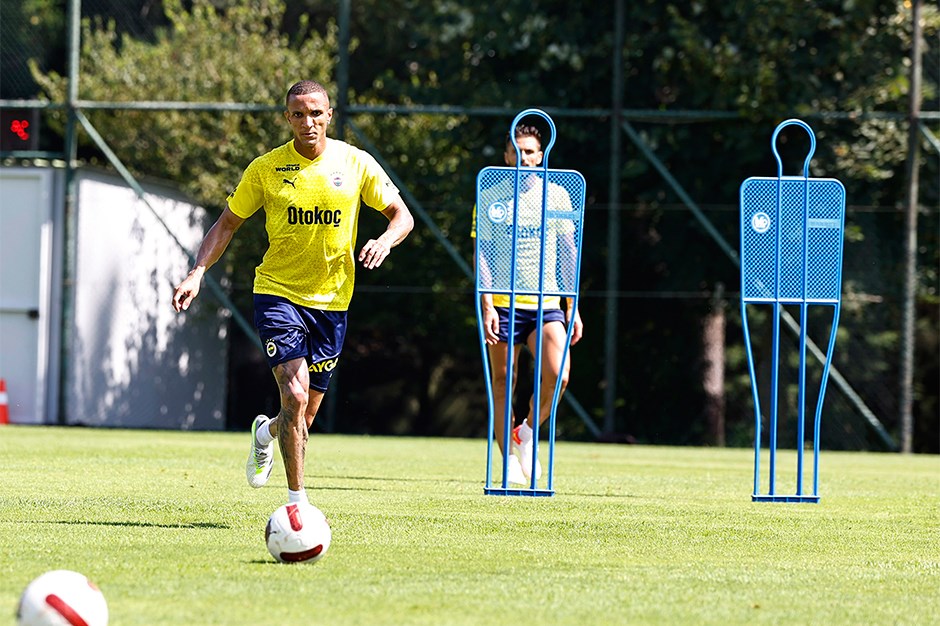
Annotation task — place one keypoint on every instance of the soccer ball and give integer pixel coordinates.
(297, 533)
(62, 598)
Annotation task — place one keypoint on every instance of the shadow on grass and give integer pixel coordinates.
(334, 482)
(603, 496)
(212, 525)
(393, 478)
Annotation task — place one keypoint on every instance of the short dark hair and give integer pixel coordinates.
(304, 87)
(524, 130)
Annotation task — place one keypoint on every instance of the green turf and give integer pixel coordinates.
(166, 525)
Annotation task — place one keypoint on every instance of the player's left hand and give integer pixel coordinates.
(373, 253)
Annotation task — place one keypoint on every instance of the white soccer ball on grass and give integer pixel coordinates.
(62, 598)
(297, 533)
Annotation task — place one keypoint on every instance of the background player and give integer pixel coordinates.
(495, 307)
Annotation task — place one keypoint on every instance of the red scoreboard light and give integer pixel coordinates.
(19, 129)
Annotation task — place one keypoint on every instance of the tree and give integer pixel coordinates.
(233, 54)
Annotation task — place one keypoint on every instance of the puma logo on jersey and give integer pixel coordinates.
(297, 215)
(290, 182)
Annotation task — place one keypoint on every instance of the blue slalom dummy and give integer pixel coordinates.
(529, 225)
(792, 231)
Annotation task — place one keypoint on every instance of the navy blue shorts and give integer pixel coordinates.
(289, 331)
(526, 319)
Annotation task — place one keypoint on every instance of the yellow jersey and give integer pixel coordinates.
(311, 213)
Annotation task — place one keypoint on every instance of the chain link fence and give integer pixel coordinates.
(427, 378)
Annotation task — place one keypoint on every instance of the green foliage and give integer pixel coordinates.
(214, 52)
(28, 29)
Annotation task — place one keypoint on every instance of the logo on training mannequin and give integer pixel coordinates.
(760, 222)
(524, 232)
(497, 212)
(324, 366)
(270, 348)
(337, 179)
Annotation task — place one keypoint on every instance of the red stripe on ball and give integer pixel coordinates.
(67, 612)
(293, 514)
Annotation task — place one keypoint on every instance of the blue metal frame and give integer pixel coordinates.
(512, 292)
(767, 208)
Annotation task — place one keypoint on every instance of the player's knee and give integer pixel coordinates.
(295, 400)
(553, 379)
(499, 379)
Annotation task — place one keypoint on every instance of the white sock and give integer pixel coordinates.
(297, 496)
(525, 431)
(263, 434)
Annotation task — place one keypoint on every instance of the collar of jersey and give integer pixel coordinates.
(293, 151)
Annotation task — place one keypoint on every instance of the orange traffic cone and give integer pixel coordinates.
(4, 407)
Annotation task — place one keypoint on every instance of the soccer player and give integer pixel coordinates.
(310, 189)
(495, 307)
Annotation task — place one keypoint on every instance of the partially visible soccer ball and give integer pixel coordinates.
(62, 598)
(297, 533)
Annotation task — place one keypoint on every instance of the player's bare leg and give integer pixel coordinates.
(290, 425)
(292, 378)
(314, 398)
(313, 405)
(499, 355)
(291, 401)
(553, 348)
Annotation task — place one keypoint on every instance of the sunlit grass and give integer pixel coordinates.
(166, 525)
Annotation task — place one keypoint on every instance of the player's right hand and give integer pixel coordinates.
(187, 291)
(490, 326)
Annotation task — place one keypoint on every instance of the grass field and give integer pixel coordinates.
(166, 525)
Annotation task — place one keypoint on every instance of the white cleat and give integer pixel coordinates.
(260, 458)
(523, 450)
(514, 473)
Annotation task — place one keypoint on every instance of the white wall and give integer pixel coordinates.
(128, 359)
(133, 360)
